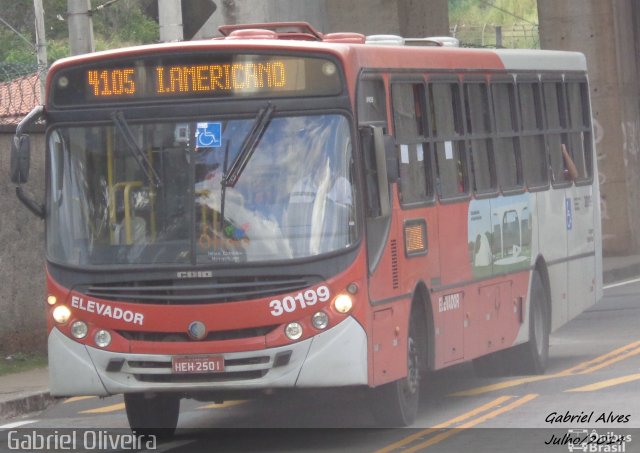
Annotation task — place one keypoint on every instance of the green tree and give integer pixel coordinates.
(120, 24)
(475, 22)
(498, 12)
(509, 12)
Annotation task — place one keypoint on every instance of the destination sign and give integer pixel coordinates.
(196, 77)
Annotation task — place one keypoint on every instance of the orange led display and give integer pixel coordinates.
(220, 77)
(157, 77)
(112, 82)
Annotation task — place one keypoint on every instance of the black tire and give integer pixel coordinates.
(155, 414)
(396, 404)
(533, 356)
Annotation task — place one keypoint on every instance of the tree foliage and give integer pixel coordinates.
(497, 12)
(120, 24)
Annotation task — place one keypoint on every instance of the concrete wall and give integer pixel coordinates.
(22, 293)
(607, 33)
(256, 11)
(411, 18)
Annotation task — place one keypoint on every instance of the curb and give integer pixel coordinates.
(23, 404)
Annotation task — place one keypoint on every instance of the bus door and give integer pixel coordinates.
(579, 200)
(382, 242)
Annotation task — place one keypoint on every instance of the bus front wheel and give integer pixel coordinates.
(155, 414)
(396, 404)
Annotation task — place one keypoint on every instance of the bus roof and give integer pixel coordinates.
(358, 56)
(371, 55)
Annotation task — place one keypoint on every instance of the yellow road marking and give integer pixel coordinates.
(605, 384)
(483, 418)
(502, 410)
(611, 361)
(455, 430)
(223, 405)
(445, 424)
(77, 398)
(585, 367)
(590, 365)
(503, 385)
(105, 409)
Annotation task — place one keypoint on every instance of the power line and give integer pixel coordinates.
(508, 12)
(18, 33)
(104, 5)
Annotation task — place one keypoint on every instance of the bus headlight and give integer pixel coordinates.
(320, 320)
(102, 338)
(61, 314)
(293, 331)
(52, 300)
(79, 329)
(343, 304)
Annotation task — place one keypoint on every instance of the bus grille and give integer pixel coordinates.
(210, 377)
(214, 290)
(237, 334)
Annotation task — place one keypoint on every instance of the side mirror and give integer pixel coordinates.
(20, 159)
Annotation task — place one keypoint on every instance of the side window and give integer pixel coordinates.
(533, 151)
(408, 110)
(506, 143)
(408, 101)
(579, 124)
(372, 102)
(479, 127)
(556, 118)
(446, 126)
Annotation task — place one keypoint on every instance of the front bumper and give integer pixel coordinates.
(334, 358)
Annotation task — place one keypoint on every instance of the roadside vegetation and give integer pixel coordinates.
(501, 12)
(118, 24)
(495, 23)
(18, 362)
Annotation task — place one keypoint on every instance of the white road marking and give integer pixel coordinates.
(626, 282)
(17, 424)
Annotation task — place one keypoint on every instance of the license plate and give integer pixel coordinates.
(197, 364)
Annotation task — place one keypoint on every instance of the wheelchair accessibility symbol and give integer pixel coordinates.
(209, 135)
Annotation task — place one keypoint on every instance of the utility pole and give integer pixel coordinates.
(41, 45)
(80, 26)
(170, 20)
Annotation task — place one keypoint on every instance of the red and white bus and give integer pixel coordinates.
(280, 208)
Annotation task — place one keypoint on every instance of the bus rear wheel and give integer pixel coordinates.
(396, 404)
(155, 414)
(532, 357)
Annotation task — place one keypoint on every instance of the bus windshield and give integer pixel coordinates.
(143, 193)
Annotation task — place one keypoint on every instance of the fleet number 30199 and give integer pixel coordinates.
(303, 299)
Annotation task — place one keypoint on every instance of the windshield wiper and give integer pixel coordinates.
(248, 146)
(143, 162)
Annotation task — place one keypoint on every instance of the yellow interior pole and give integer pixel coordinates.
(112, 192)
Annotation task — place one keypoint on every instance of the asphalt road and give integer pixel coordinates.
(588, 400)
